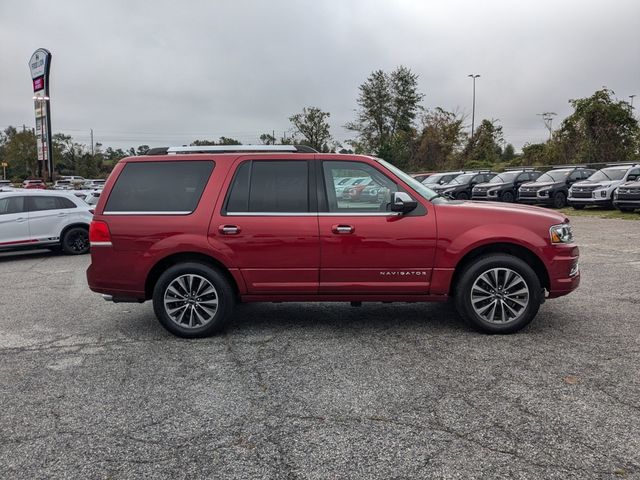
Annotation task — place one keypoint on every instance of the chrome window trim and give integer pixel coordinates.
(270, 214)
(147, 213)
(307, 214)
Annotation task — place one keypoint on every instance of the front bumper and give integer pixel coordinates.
(596, 202)
(563, 269)
(536, 200)
(626, 203)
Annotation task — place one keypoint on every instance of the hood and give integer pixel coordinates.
(491, 185)
(595, 185)
(478, 208)
(539, 185)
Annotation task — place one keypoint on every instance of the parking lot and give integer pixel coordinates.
(92, 389)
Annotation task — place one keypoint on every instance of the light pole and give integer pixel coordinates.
(631, 97)
(473, 109)
(547, 117)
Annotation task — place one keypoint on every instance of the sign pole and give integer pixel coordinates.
(40, 64)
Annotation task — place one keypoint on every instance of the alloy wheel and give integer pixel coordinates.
(499, 295)
(191, 301)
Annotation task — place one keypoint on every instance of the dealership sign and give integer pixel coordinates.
(39, 64)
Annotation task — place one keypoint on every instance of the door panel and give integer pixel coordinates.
(269, 225)
(274, 254)
(46, 218)
(14, 225)
(365, 249)
(383, 254)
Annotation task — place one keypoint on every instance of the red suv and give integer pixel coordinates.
(198, 229)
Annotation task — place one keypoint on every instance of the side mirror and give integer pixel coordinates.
(403, 203)
(632, 178)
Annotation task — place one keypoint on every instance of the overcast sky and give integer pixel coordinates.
(166, 72)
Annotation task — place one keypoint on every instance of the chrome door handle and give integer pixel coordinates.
(229, 229)
(20, 220)
(62, 214)
(342, 229)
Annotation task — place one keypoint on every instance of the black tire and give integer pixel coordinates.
(508, 197)
(472, 274)
(462, 196)
(223, 294)
(626, 209)
(75, 241)
(578, 207)
(559, 200)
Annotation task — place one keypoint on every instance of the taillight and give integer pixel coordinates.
(99, 233)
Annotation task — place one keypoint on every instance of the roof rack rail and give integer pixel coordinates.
(519, 169)
(231, 149)
(574, 165)
(622, 164)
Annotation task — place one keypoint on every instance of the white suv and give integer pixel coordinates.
(38, 219)
(597, 190)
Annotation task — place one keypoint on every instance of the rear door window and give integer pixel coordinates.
(159, 187)
(267, 186)
(42, 203)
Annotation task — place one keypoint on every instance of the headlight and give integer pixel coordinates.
(561, 233)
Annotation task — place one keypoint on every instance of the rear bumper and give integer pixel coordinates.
(105, 274)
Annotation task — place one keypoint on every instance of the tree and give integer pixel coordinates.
(388, 106)
(483, 149)
(312, 124)
(221, 141)
(19, 151)
(601, 129)
(267, 139)
(441, 139)
(509, 153)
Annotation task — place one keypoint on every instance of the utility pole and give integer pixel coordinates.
(547, 117)
(473, 109)
(631, 97)
(92, 142)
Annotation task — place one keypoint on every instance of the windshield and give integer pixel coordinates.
(553, 176)
(462, 179)
(425, 192)
(607, 174)
(504, 177)
(433, 179)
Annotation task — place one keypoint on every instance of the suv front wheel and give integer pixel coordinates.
(498, 294)
(193, 300)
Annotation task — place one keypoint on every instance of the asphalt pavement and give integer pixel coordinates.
(90, 389)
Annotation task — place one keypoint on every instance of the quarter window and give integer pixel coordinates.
(267, 186)
(159, 187)
(48, 202)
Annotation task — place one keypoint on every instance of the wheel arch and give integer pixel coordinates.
(185, 257)
(73, 225)
(518, 251)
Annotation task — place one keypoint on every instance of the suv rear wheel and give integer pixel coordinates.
(498, 294)
(193, 300)
(75, 241)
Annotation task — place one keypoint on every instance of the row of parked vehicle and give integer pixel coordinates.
(617, 185)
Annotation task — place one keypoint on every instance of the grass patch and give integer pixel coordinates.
(598, 212)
